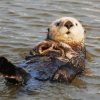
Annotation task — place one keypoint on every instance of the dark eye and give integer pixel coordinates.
(84, 31)
(76, 24)
(57, 24)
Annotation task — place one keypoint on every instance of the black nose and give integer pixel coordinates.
(68, 24)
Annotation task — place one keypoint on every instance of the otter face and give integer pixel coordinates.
(67, 30)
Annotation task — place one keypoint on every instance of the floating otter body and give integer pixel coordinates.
(61, 57)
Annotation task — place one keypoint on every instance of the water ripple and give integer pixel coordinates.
(27, 20)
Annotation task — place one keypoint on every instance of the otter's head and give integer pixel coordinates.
(67, 30)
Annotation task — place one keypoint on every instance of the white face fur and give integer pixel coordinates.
(67, 30)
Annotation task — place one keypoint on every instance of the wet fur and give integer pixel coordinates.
(61, 57)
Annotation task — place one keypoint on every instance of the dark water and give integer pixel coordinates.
(23, 23)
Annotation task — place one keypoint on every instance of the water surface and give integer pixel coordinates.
(23, 23)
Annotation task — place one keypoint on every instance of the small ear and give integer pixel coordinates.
(48, 29)
(48, 34)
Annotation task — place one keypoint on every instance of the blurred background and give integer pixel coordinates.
(23, 23)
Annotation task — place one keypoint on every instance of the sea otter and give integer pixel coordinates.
(60, 57)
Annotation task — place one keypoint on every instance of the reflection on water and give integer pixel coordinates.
(23, 23)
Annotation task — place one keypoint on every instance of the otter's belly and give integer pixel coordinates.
(42, 67)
